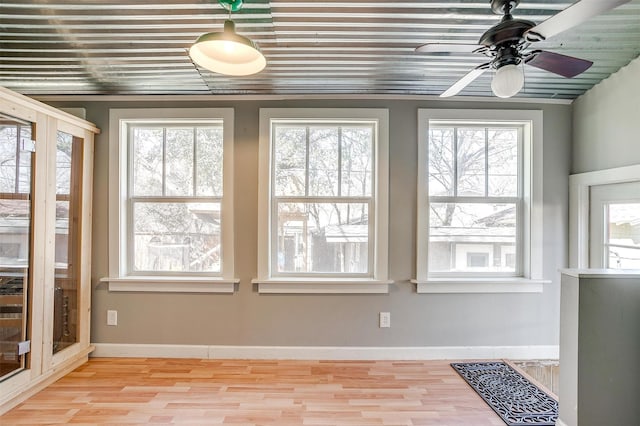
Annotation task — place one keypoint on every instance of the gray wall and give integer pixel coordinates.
(606, 123)
(599, 349)
(608, 352)
(248, 318)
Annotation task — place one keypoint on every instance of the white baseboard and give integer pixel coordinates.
(561, 423)
(324, 352)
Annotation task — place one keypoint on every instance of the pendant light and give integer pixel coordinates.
(228, 52)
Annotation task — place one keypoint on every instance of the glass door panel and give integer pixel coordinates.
(67, 240)
(16, 163)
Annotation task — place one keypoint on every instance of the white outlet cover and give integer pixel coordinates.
(112, 317)
(385, 319)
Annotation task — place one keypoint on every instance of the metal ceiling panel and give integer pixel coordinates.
(136, 47)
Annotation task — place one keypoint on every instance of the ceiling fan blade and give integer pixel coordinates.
(465, 81)
(447, 48)
(570, 17)
(566, 66)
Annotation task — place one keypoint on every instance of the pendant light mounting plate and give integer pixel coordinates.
(231, 5)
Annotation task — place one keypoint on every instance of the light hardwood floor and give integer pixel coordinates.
(121, 391)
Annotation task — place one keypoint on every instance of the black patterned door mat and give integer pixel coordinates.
(511, 395)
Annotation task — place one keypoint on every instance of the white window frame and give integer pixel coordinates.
(120, 277)
(378, 281)
(579, 200)
(530, 278)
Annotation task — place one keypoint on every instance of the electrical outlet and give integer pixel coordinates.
(385, 319)
(112, 317)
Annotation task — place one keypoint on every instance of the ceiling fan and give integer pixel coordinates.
(506, 43)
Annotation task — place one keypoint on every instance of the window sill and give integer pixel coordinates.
(480, 285)
(164, 284)
(321, 286)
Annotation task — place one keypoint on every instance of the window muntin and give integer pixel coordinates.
(474, 174)
(174, 197)
(322, 207)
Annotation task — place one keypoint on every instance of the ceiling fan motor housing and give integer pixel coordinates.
(506, 39)
(506, 55)
(509, 30)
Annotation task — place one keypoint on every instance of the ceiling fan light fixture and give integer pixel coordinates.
(507, 41)
(507, 81)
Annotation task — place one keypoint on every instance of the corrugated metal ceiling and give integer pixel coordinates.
(312, 47)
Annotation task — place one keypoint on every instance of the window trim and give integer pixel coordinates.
(579, 188)
(122, 279)
(378, 281)
(531, 277)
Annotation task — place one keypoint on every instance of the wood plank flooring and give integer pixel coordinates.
(124, 391)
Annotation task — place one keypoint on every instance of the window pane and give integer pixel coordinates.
(441, 162)
(323, 161)
(67, 248)
(15, 163)
(8, 155)
(471, 162)
(15, 216)
(176, 237)
(290, 152)
(461, 234)
(147, 161)
(209, 161)
(62, 234)
(63, 163)
(24, 165)
(323, 237)
(179, 162)
(623, 243)
(503, 162)
(357, 151)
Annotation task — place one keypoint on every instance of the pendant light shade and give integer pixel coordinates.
(227, 52)
(507, 81)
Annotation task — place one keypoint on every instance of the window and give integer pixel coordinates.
(614, 236)
(479, 200)
(474, 194)
(323, 224)
(477, 260)
(17, 159)
(172, 188)
(595, 230)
